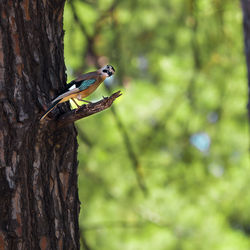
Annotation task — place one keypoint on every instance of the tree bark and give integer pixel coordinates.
(246, 27)
(39, 203)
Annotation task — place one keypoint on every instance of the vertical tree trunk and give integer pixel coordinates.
(39, 203)
(246, 25)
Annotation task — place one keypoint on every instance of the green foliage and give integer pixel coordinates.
(181, 68)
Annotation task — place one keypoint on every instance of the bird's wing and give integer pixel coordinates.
(84, 84)
(75, 87)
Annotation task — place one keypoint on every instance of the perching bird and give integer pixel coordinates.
(82, 87)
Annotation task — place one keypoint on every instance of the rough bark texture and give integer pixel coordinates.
(246, 25)
(39, 203)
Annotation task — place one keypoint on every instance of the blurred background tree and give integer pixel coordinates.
(167, 167)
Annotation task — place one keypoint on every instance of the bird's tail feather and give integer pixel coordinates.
(50, 109)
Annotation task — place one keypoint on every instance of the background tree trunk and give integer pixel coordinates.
(39, 203)
(246, 25)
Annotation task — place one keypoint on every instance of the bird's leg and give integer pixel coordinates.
(76, 103)
(86, 101)
(80, 99)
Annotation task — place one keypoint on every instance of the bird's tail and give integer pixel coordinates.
(50, 109)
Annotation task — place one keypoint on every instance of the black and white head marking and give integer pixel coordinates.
(108, 70)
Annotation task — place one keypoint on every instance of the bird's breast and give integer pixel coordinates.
(92, 87)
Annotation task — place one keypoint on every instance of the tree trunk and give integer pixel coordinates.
(39, 203)
(246, 25)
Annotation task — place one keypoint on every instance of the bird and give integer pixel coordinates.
(81, 87)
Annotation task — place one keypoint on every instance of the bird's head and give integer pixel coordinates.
(108, 70)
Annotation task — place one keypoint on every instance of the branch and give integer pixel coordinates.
(131, 153)
(78, 21)
(86, 110)
(246, 27)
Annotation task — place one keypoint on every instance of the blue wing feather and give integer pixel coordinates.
(86, 83)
